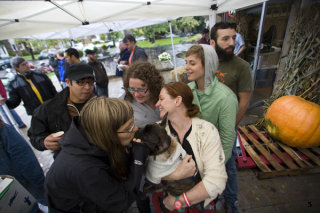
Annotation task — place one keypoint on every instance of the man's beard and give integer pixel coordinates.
(223, 54)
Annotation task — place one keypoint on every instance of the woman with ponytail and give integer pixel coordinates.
(200, 139)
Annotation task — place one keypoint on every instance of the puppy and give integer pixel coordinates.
(165, 156)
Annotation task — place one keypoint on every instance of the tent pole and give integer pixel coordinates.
(257, 50)
(212, 19)
(173, 51)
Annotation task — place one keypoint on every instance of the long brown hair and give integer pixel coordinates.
(175, 89)
(147, 73)
(100, 118)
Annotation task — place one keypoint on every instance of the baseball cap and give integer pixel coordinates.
(79, 71)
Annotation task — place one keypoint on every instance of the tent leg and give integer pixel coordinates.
(173, 51)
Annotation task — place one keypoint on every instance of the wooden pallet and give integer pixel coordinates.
(275, 158)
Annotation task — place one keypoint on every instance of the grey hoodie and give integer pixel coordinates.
(211, 64)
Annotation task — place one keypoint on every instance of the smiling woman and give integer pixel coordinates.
(142, 84)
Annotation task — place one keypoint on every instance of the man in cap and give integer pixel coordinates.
(100, 73)
(56, 114)
(31, 87)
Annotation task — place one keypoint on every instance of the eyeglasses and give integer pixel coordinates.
(129, 130)
(140, 91)
(83, 82)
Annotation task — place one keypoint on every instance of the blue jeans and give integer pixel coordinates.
(102, 91)
(231, 191)
(14, 115)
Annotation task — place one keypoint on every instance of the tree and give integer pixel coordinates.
(151, 31)
(186, 24)
(114, 36)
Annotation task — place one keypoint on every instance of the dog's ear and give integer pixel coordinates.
(139, 134)
(164, 120)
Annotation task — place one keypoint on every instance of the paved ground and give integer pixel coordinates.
(292, 194)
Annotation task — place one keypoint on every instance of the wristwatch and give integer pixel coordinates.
(178, 205)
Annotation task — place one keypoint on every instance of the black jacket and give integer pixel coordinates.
(52, 116)
(19, 89)
(139, 55)
(80, 179)
(100, 74)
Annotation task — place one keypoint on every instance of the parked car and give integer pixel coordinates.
(5, 63)
(44, 54)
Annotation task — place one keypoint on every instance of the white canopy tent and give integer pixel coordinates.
(97, 28)
(26, 18)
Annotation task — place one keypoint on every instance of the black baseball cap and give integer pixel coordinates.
(79, 71)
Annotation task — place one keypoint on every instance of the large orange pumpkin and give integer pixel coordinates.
(294, 121)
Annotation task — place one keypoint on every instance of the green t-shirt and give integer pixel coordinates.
(236, 74)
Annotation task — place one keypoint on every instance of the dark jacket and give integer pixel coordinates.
(52, 116)
(139, 55)
(54, 63)
(80, 179)
(100, 74)
(18, 160)
(19, 89)
(124, 56)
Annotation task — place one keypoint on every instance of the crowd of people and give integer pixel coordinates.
(100, 160)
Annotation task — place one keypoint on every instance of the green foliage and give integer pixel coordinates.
(115, 35)
(103, 37)
(52, 43)
(95, 49)
(96, 42)
(186, 24)
(137, 32)
(104, 47)
(159, 29)
(11, 53)
(165, 41)
(80, 53)
(24, 53)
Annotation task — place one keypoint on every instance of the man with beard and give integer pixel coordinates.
(236, 74)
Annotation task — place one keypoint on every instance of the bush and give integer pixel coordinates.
(25, 53)
(104, 47)
(11, 53)
(96, 50)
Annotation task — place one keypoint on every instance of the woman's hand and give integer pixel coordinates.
(169, 202)
(186, 168)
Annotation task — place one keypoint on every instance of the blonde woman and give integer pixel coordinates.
(94, 171)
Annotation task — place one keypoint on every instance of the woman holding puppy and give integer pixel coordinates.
(94, 171)
(199, 138)
(142, 83)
